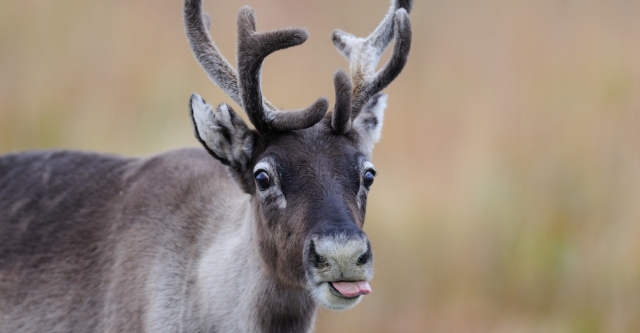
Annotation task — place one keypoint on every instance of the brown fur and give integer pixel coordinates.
(250, 241)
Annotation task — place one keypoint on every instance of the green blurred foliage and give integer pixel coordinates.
(509, 171)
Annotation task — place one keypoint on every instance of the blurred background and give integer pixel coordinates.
(508, 193)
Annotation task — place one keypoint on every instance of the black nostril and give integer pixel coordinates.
(365, 257)
(316, 259)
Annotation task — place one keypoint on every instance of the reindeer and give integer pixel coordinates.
(251, 241)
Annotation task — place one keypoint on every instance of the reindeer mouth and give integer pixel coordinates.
(350, 289)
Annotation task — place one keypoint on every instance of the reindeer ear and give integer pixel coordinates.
(225, 136)
(368, 123)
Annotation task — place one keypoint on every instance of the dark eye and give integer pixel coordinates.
(368, 178)
(262, 179)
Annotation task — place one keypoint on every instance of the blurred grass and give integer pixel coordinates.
(509, 181)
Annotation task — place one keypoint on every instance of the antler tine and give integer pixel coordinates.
(341, 118)
(244, 86)
(364, 54)
(253, 48)
(212, 61)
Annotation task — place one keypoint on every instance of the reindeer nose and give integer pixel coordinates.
(365, 257)
(315, 258)
(340, 251)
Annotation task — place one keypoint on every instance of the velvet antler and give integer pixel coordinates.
(244, 85)
(363, 55)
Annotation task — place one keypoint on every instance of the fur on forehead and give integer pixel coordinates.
(365, 133)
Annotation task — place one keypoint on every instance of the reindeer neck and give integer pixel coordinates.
(235, 291)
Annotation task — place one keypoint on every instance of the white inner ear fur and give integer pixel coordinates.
(210, 126)
(272, 196)
(368, 123)
(202, 114)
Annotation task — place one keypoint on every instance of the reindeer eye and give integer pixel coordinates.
(262, 179)
(368, 178)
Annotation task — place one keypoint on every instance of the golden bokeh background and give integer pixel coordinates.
(508, 195)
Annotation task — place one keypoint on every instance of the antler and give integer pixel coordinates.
(253, 48)
(363, 55)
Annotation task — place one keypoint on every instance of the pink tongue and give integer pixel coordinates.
(351, 289)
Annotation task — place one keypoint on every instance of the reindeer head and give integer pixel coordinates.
(308, 171)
